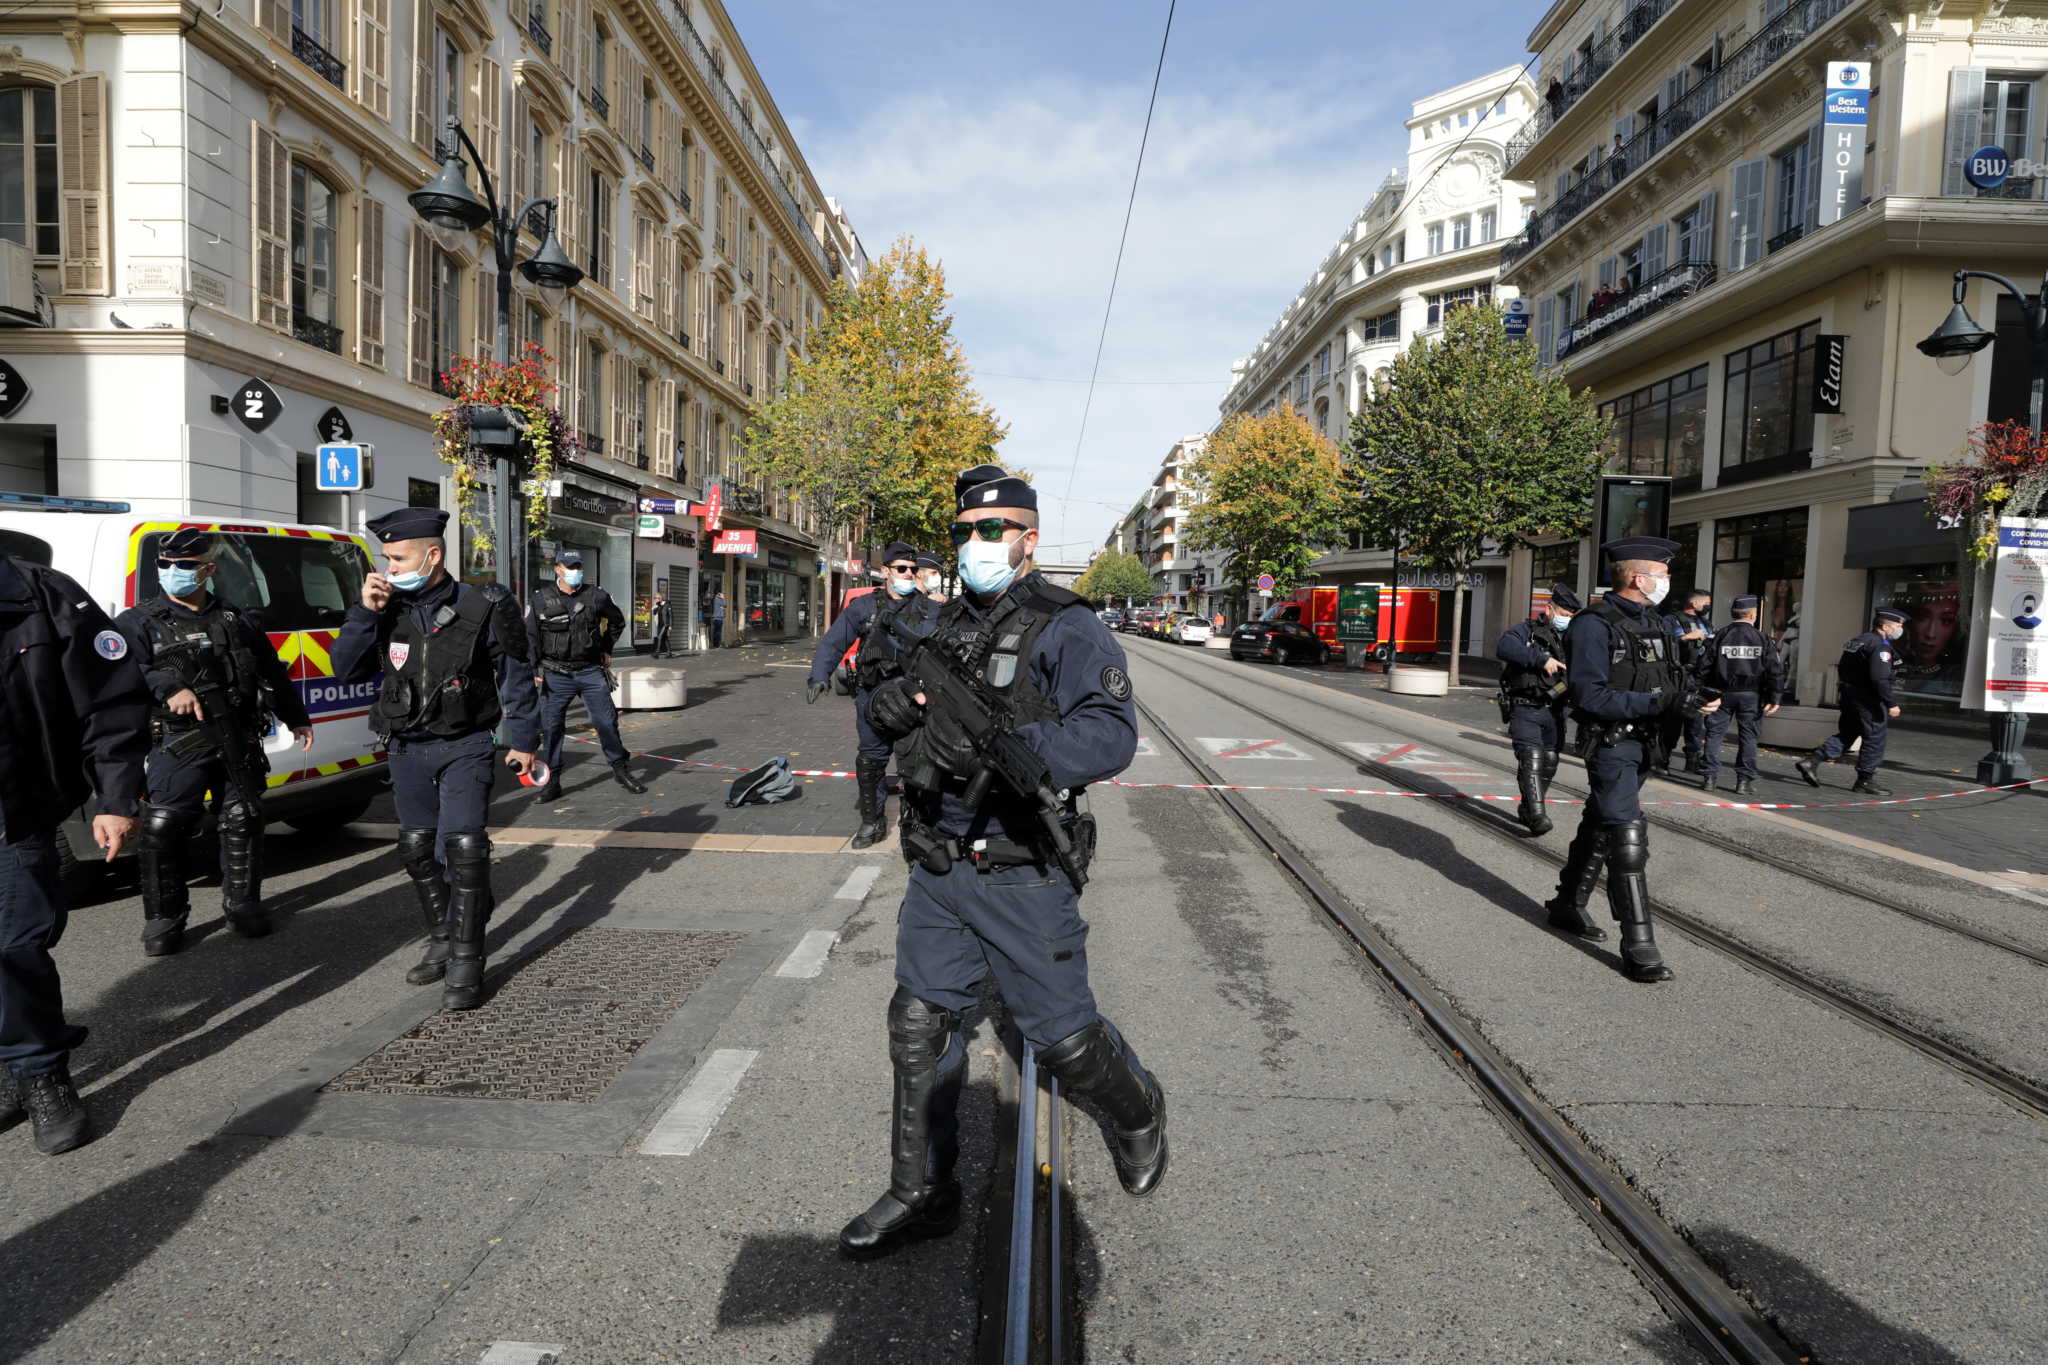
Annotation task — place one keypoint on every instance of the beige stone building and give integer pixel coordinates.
(1687, 262)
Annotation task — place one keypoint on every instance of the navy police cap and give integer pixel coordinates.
(187, 542)
(1745, 604)
(1008, 491)
(1653, 548)
(899, 549)
(927, 560)
(409, 523)
(1562, 598)
(568, 558)
(981, 473)
(1897, 618)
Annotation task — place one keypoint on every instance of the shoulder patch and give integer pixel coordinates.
(111, 645)
(1884, 656)
(1117, 683)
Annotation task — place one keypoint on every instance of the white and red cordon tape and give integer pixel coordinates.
(1509, 797)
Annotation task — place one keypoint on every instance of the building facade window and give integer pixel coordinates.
(1696, 234)
(315, 248)
(444, 319)
(1661, 429)
(2008, 122)
(1434, 235)
(1794, 168)
(599, 229)
(1555, 564)
(1385, 327)
(1461, 232)
(1767, 412)
(1489, 225)
(593, 397)
(1443, 305)
(28, 168)
(447, 86)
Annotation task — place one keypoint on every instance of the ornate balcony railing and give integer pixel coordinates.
(598, 102)
(1785, 238)
(1647, 299)
(314, 332)
(309, 50)
(593, 442)
(537, 30)
(1772, 43)
(1566, 90)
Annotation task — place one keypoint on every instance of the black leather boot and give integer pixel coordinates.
(1628, 893)
(56, 1112)
(1529, 775)
(1809, 768)
(1710, 781)
(241, 867)
(550, 790)
(469, 911)
(1866, 785)
(1575, 883)
(166, 901)
(923, 1199)
(1745, 786)
(626, 779)
(1096, 1064)
(416, 851)
(874, 805)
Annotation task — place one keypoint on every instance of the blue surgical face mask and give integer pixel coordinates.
(1561, 622)
(985, 567)
(903, 587)
(572, 578)
(413, 580)
(178, 582)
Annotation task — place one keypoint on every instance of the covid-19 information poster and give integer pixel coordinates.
(2015, 643)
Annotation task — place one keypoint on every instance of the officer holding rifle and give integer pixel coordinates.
(214, 681)
(1015, 702)
(1532, 699)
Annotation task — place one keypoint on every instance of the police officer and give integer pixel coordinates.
(1865, 699)
(1623, 679)
(455, 660)
(570, 630)
(1691, 628)
(1532, 691)
(196, 652)
(931, 576)
(75, 721)
(660, 619)
(1742, 665)
(867, 621)
(999, 905)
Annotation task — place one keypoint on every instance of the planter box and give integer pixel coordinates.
(1221, 642)
(650, 689)
(1410, 681)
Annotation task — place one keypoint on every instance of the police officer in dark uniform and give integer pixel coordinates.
(867, 619)
(1742, 664)
(660, 620)
(1692, 628)
(74, 719)
(1623, 679)
(1533, 693)
(455, 660)
(1866, 668)
(985, 896)
(197, 651)
(570, 630)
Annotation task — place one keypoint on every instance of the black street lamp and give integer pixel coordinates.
(1951, 345)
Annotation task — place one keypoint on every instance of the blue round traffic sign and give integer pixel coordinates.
(1987, 168)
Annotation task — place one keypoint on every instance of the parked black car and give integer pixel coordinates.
(1280, 642)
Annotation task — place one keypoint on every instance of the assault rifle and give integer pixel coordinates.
(240, 748)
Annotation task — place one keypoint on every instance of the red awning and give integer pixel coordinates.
(736, 543)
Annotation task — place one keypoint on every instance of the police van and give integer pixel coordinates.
(295, 582)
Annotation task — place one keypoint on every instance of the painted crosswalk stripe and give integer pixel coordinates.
(807, 959)
(858, 883)
(689, 1121)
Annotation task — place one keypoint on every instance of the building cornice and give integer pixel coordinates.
(1869, 479)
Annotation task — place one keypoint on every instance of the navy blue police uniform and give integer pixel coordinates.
(455, 662)
(1533, 697)
(74, 721)
(219, 651)
(987, 899)
(1742, 664)
(1623, 680)
(1864, 699)
(571, 634)
(1691, 654)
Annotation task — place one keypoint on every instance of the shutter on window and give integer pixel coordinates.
(1810, 209)
(1625, 127)
(1607, 272)
(275, 18)
(370, 282)
(621, 424)
(566, 395)
(1654, 250)
(567, 187)
(568, 49)
(1746, 213)
(419, 285)
(602, 249)
(697, 182)
(423, 130)
(665, 427)
(643, 266)
(1546, 329)
(373, 56)
(1965, 134)
(1710, 210)
(271, 228)
(82, 183)
(518, 183)
(1674, 87)
(490, 119)
(486, 345)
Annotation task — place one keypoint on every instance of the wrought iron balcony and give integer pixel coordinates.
(640, 459)
(748, 385)
(1647, 299)
(646, 157)
(536, 221)
(2018, 187)
(314, 332)
(718, 365)
(593, 442)
(748, 276)
(684, 196)
(598, 102)
(1785, 238)
(538, 32)
(1566, 91)
(683, 339)
(308, 49)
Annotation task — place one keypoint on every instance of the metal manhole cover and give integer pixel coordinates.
(560, 1028)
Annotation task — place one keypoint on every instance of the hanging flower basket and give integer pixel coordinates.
(2003, 474)
(525, 388)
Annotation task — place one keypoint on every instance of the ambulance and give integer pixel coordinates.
(296, 583)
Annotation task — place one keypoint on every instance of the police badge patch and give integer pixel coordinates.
(1117, 683)
(400, 651)
(112, 645)
(1884, 656)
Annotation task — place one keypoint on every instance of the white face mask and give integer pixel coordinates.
(902, 586)
(929, 583)
(985, 566)
(1657, 590)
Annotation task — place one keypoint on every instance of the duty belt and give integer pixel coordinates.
(987, 854)
(564, 666)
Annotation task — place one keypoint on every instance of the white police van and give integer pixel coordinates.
(295, 582)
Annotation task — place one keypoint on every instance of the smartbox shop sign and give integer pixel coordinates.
(1845, 117)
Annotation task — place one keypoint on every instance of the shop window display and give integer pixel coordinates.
(1936, 644)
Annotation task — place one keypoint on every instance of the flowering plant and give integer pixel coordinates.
(524, 386)
(2004, 473)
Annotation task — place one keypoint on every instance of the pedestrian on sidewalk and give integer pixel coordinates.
(81, 725)
(1741, 664)
(1533, 692)
(986, 894)
(1864, 697)
(659, 618)
(456, 660)
(714, 617)
(570, 631)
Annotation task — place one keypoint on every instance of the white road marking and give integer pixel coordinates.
(807, 959)
(1416, 757)
(1252, 748)
(689, 1121)
(1146, 748)
(521, 1353)
(2023, 895)
(858, 883)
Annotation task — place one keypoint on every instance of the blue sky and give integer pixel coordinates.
(1002, 137)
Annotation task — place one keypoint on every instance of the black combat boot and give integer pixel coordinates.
(469, 911)
(1628, 893)
(550, 790)
(1529, 774)
(1095, 1063)
(1809, 768)
(1745, 786)
(166, 901)
(874, 804)
(923, 1199)
(1567, 909)
(1710, 781)
(241, 868)
(626, 779)
(416, 851)
(56, 1112)
(1866, 785)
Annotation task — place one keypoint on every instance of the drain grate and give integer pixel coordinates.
(560, 1028)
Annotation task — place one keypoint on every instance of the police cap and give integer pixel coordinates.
(1007, 491)
(409, 523)
(981, 473)
(187, 542)
(1654, 548)
(1897, 618)
(927, 560)
(1745, 604)
(568, 558)
(1562, 598)
(899, 549)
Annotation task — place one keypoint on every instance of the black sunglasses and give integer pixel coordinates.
(163, 563)
(988, 528)
(901, 568)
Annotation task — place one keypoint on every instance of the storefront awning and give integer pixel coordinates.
(1888, 535)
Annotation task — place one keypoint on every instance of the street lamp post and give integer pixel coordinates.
(1951, 345)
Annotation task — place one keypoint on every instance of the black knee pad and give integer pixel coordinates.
(469, 860)
(1628, 846)
(164, 827)
(918, 1029)
(238, 816)
(416, 852)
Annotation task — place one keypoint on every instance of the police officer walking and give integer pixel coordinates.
(1742, 665)
(1533, 693)
(76, 721)
(1865, 672)
(660, 618)
(215, 680)
(571, 629)
(455, 660)
(868, 620)
(1623, 679)
(1692, 627)
(985, 896)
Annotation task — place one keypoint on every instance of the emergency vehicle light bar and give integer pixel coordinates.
(49, 502)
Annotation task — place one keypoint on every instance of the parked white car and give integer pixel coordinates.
(1189, 630)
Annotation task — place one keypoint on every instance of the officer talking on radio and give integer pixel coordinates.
(1533, 694)
(1742, 665)
(455, 661)
(214, 680)
(1867, 705)
(571, 630)
(986, 895)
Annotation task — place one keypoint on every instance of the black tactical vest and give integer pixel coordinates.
(999, 647)
(202, 650)
(569, 626)
(1738, 657)
(1523, 683)
(878, 659)
(440, 681)
(1642, 658)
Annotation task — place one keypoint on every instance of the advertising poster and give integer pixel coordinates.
(2015, 678)
(1937, 639)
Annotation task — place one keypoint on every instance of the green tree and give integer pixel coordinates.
(1467, 446)
(1116, 574)
(878, 415)
(1269, 492)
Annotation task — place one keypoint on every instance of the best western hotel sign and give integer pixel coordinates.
(1845, 115)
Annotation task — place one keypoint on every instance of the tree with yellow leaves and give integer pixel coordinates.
(878, 414)
(1269, 490)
